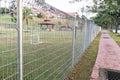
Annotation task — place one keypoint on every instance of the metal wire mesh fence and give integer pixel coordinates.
(52, 42)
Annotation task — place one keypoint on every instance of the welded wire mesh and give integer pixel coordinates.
(47, 54)
(47, 47)
(8, 45)
(85, 32)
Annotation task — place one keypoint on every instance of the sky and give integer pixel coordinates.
(65, 6)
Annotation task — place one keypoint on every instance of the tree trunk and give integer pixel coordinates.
(111, 28)
(27, 21)
(116, 23)
(116, 30)
(116, 27)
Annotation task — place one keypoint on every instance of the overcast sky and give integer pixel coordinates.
(64, 5)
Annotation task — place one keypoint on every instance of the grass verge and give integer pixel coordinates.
(116, 37)
(83, 68)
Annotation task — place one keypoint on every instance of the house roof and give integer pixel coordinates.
(71, 13)
(46, 22)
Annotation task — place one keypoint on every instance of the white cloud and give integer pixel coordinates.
(64, 5)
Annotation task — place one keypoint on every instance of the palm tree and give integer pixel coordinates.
(27, 14)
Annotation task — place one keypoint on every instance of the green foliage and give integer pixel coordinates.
(26, 11)
(103, 20)
(14, 19)
(84, 17)
(118, 2)
(27, 14)
(13, 11)
(5, 18)
(116, 37)
(111, 10)
(4, 10)
(40, 15)
(59, 23)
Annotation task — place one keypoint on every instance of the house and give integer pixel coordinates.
(50, 11)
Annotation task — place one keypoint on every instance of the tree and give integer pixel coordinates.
(103, 20)
(13, 11)
(27, 14)
(109, 7)
(113, 7)
(40, 15)
(4, 10)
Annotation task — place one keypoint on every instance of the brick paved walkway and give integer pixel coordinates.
(108, 55)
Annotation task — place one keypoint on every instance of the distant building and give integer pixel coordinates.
(50, 11)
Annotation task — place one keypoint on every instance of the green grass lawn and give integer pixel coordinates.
(116, 37)
(83, 68)
(49, 60)
(5, 19)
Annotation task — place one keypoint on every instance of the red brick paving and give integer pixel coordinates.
(108, 55)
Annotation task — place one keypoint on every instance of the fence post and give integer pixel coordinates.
(19, 24)
(84, 36)
(73, 41)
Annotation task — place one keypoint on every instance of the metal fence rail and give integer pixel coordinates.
(48, 53)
